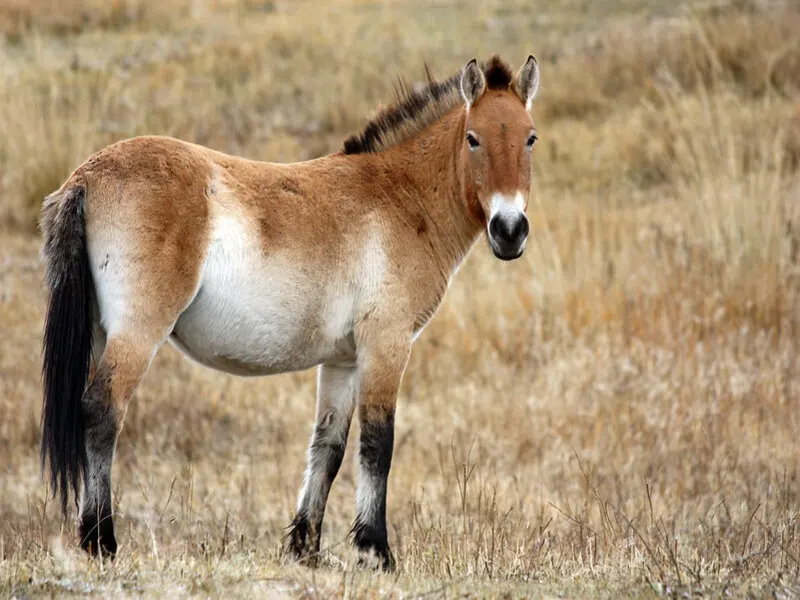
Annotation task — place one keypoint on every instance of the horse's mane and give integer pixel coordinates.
(416, 107)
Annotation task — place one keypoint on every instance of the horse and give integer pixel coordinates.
(258, 268)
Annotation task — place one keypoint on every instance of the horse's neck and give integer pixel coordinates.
(432, 162)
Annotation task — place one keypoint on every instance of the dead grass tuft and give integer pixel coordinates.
(751, 51)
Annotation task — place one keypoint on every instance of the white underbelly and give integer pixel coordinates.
(257, 315)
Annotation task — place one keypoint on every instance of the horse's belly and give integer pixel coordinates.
(264, 318)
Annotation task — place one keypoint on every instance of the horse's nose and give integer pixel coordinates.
(510, 231)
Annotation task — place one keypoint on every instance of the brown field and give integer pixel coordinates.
(615, 415)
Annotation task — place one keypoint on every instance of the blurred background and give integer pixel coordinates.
(615, 414)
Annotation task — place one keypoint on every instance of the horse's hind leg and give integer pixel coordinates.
(146, 240)
(123, 363)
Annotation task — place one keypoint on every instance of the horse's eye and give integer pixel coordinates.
(532, 140)
(472, 141)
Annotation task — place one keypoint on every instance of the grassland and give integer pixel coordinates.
(615, 415)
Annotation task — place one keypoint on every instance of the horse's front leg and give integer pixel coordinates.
(335, 404)
(380, 373)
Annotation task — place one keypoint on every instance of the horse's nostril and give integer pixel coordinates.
(521, 228)
(495, 228)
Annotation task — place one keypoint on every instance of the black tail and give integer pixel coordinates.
(67, 340)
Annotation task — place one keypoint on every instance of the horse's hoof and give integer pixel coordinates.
(297, 545)
(377, 558)
(98, 538)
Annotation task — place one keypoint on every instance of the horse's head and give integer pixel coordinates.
(496, 151)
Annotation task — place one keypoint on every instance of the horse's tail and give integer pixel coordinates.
(67, 342)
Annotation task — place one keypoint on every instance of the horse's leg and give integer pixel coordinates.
(335, 403)
(136, 329)
(380, 373)
(123, 363)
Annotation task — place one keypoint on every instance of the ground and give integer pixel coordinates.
(617, 414)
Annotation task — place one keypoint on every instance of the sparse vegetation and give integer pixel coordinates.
(615, 415)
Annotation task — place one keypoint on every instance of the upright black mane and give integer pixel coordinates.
(417, 107)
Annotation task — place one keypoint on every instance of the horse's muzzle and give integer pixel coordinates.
(508, 234)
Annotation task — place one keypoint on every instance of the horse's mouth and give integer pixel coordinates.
(507, 256)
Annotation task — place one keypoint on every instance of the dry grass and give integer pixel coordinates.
(615, 415)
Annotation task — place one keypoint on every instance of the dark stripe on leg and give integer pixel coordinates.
(96, 523)
(375, 456)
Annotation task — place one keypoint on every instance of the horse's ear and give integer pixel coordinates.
(473, 82)
(526, 81)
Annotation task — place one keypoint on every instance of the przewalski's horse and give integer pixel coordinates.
(259, 268)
